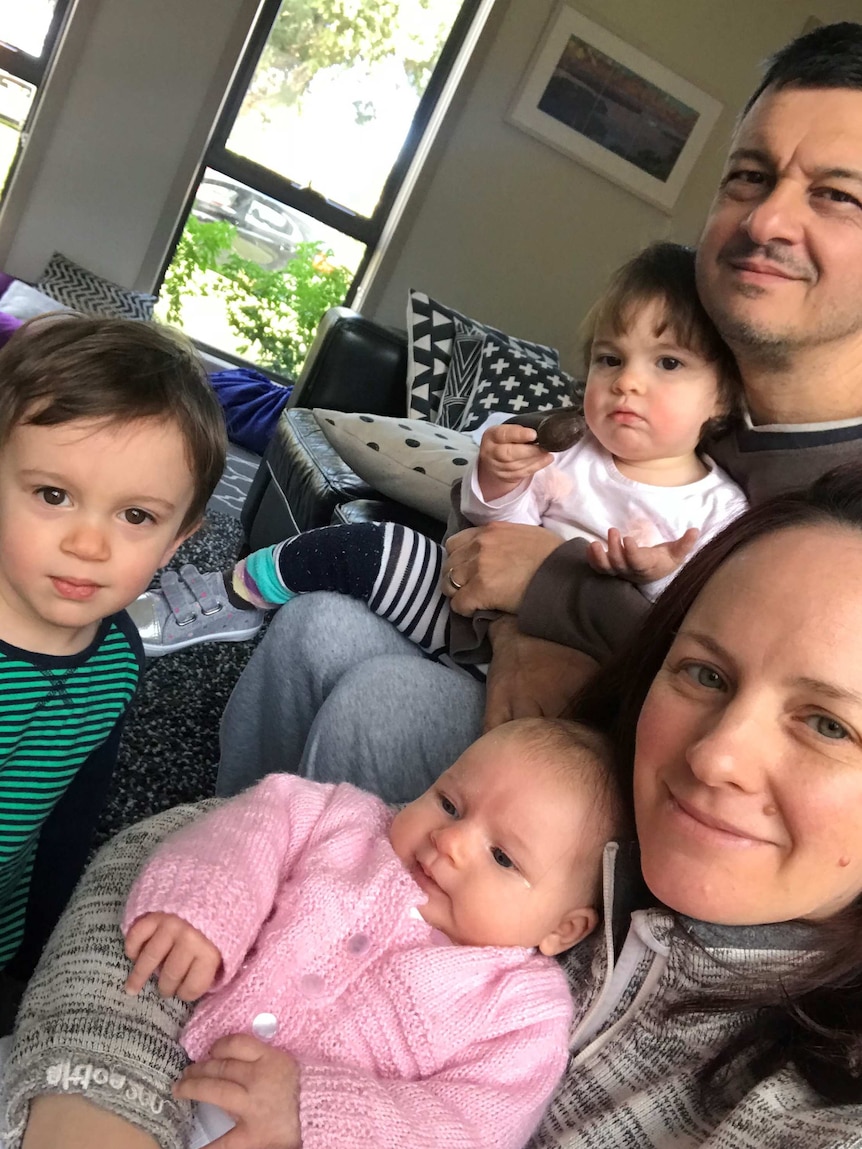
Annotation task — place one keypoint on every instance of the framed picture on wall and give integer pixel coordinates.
(604, 103)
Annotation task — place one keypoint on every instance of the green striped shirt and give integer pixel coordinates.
(54, 712)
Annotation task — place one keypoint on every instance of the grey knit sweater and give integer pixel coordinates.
(632, 1078)
(631, 1081)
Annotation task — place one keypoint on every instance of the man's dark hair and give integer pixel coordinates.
(62, 367)
(827, 57)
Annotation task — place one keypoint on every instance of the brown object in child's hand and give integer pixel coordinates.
(560, 430)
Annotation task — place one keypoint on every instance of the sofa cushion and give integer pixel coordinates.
(83, 290)
(312, 477)
(24, 302)
(431, 329)
(460, 379)
(410, 460)
(512, 379)
(386, 511)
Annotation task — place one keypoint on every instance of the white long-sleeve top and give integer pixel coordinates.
(582, 494)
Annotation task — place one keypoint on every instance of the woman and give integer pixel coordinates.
(727, 1011)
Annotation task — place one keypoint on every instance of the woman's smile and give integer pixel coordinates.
(691, 819)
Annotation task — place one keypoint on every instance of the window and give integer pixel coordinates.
(28, 33)
(323, 119)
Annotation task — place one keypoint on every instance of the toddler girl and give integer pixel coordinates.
(634, 483)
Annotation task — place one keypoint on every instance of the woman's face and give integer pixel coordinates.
(748, 767)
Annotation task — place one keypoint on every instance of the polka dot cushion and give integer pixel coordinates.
(410, 460)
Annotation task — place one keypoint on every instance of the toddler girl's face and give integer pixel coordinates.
(503, 848)
(647, 397)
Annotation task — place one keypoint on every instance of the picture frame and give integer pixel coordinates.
(608, 105)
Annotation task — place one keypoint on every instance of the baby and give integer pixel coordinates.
(387, 978)
(634, 483)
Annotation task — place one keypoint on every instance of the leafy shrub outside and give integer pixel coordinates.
(275, 313)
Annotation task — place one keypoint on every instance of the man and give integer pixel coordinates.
(334, 693)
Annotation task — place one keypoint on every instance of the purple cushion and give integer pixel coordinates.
(8, 326)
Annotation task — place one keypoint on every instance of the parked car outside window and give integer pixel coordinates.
(267, 231)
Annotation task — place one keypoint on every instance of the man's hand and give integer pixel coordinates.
(256, 1084)
(626, 559)
(530, 677)
(493, 565)
(508, 455)
(188, 962)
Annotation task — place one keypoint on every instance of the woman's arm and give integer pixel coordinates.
(80, 1038)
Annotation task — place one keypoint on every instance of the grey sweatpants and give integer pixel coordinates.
(337, 694)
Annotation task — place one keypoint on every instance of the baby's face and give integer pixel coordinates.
(89, 511)
(502, 847)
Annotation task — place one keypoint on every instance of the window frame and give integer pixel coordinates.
(29, 68)
(32, 70)
(365, 229)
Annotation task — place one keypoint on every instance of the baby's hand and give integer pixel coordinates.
(508, 455)
(256, 1084)
(187, 961)
(626, 559)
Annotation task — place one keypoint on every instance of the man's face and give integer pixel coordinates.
(779, 266)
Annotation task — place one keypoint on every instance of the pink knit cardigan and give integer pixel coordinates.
(403, 1038)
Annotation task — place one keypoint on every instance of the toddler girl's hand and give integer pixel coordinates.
(256, 1084)
(508, 454)
(188, 962)
(627, 559)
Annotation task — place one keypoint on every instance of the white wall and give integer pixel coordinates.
(119, 132)
(499, 225)
(518, 235)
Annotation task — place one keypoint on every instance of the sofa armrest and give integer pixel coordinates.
(354, 364)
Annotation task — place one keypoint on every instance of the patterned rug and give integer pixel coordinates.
(236, 479)
(169, 750)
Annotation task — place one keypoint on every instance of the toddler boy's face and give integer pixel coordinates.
(88, 512)
(503, 849)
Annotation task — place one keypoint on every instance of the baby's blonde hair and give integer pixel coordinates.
(583, 757)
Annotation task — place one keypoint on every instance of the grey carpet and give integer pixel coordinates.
(236, 479)
(169, 749)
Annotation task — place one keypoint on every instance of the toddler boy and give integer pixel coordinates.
(111, 442)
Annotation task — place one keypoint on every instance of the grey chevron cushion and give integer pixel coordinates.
(83, 290)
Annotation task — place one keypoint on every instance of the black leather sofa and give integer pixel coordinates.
(354, 364)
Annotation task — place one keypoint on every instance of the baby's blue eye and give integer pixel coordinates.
(448, 807)
(501, 858)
